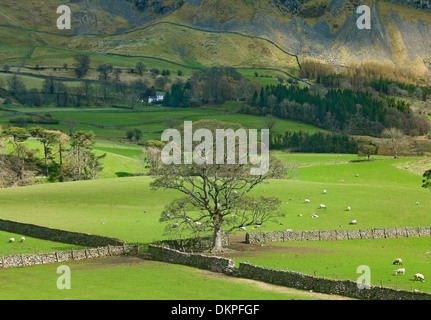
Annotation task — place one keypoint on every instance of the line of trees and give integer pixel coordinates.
(347, 111)
(76, 160)
(58, 93)
(319, 142)
(215, 85)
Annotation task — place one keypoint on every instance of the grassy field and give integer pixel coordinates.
(381, 193)
(130, 209)
(134, 279)
(340, 259)
(152, 123)
(30, 245)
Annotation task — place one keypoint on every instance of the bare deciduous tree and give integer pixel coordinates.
(395, 138)
(216, 196)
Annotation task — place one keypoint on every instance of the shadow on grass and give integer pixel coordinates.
(128, 174)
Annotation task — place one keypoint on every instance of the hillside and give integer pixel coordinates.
(259, 33)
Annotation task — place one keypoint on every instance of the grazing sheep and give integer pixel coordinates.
(420, 277)
(353, 222)
(315, 216)
(324, 191)
(22, 239)
(243, 228)
(176, 225)
(198, 223)
(12, 240)
(348, 208)
(307, 201)
(400, 270)
(398, 261)
(322, 206)
(357, 174)
(300, 215)
(417, 203)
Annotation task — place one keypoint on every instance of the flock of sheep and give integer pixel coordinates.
(418, 276)
(322, 206)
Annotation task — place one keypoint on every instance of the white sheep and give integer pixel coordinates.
(12, 240)
(198, 223)
(22, 239)
(176, 225)
(400, 270)
(307, 201)
(417, 203)
(420, 277)
(353, 222)
(324, 191)
(348, 208)
(322, 206)
(398, 261)
(243, 228)
(315, 216)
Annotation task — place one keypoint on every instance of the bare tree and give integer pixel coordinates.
(270, 122)
(395, 138)
(216, 196)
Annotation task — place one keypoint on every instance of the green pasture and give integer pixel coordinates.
(116, 124)
(29, 245)
(341, 259)
(134, 279)
(320, 158)
(129, 209)
(127, 117)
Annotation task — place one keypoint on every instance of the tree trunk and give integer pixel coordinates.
(218, 235)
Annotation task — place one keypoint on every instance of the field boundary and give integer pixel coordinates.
(286, 278)
(198, 243)
(332, 235)
(57, 235)
(23, 260)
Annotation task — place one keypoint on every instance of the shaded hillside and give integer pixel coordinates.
(322, 29)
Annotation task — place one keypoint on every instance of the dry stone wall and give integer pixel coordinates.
(191, 243)
(346, 288)
(291, 279)
(330, 235)
(63, 236)
(201, 261)
(22, 260)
